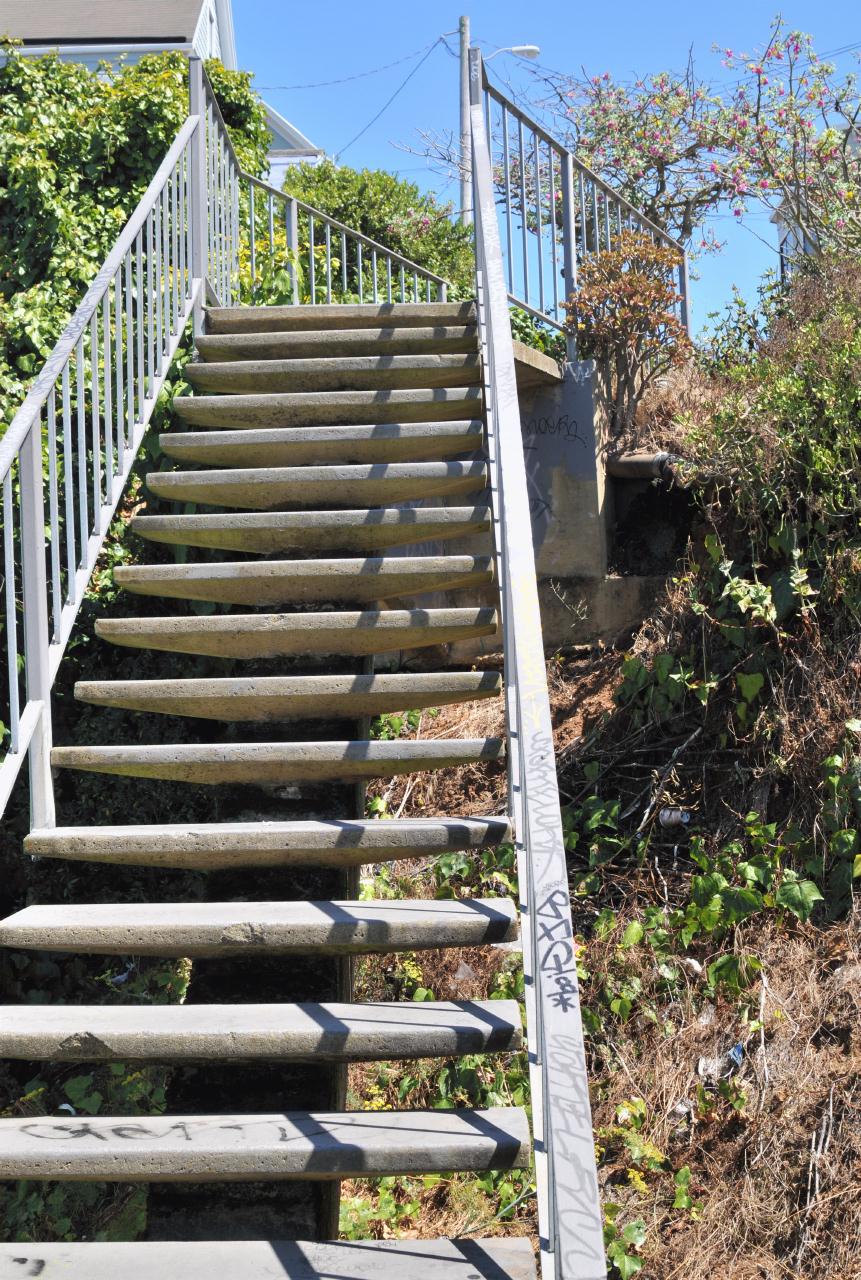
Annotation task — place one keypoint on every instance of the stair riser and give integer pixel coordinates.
(338, 316)
(230, 534)
(441, 340)
(276, 636)
(264, 491)
(334, 408)
(331, 699)
(235, 378)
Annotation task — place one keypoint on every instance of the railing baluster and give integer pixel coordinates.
(149, 310)
(54, 516)
(359, 268)
(403, 283)
(141, 322)
(176, 239)
(554, 222)
(388, 278)
(11, 616)
(344, 262)
(312, 271)
(83, 506)
(158, 269)
(130, 379)
(253, 234)
(596, 233)
(539, 221)
(118, 367)
(271, 212)
(506, 160)
(95, 421)
(108, 397)
(69, 485)
(523, 218)
(328, 263)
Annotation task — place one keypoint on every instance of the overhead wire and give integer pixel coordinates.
(439, 40)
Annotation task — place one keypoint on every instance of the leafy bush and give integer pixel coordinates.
(394, 212)
(77, 150)
(624, 315)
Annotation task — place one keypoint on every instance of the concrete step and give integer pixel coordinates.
(276, 582)
(337, 316)
(461, 1259)
(197, 929)
(382, 340)
(275, 635)
(298, 446)
(275, 763)
(322, 697)
(240, 1148)
(268, 488)
(241, 1032)
(344, 373)
(329, 408)
(216, 846)
(277, 533)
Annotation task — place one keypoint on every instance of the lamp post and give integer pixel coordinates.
(519, 51)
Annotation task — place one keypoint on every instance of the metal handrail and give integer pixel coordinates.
(569, 1211)
(67, 454)
(341, 227)
(564, 212)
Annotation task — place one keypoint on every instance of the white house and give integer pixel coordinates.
(94, 31)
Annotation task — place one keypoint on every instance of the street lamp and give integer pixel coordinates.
(519, 51)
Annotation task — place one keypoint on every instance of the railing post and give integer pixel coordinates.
(36, 635)
(569, 239)
(199, 195)
(292, 219)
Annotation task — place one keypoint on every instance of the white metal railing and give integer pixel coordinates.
(555, 212)
(570, 1222)
(194, 239)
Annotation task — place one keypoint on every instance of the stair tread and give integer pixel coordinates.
(254, 635)
(298, 1032)
(352, 529)
(337, 315)
(277, 581)
(232, 928)
(244, 843)
(336, 485)
(286, 697)
(328, 408)
(369, 442)
(379, 340)
(279, 762)
(335, 373)
(462, 1259)
(297, 1144)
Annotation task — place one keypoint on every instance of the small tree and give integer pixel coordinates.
(625, 315)
(790, 138)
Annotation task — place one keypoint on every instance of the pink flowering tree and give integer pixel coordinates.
(659, 141)
(789, 138)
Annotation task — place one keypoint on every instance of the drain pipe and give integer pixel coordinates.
(642, 465)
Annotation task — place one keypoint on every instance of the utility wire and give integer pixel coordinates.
(360, 75)
(389, 101)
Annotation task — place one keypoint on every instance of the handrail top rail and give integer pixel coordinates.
(350, 231)
(588, 173)
(31, 406)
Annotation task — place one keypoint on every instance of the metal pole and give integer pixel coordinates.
(198, 202)
(36, 633)
(569, 239)
(465, 152)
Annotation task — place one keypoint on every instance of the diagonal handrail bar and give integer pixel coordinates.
(569, 1211)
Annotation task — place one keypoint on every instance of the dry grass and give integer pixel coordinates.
(778, 1181)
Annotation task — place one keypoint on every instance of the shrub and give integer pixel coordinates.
(77, 150)
(394, 212)
(624, 315)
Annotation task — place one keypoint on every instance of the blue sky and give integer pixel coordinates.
(300, 44)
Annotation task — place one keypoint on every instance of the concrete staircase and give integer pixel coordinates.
(310, 426)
